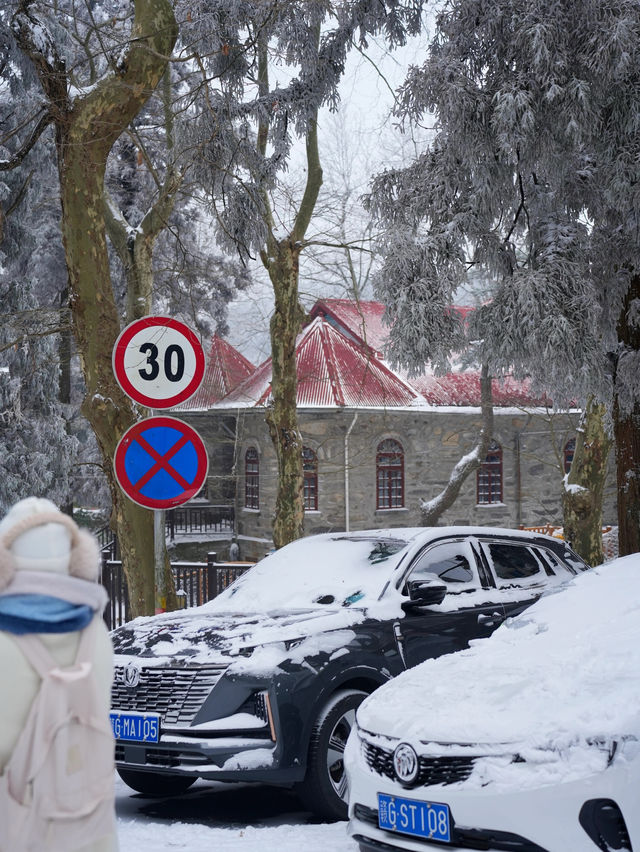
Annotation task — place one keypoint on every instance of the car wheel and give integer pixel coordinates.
(155, 784)
(324, 789)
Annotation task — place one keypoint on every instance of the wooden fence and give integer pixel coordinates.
(196, 583)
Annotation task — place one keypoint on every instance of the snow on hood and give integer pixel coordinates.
(214, 639)
(568, 667)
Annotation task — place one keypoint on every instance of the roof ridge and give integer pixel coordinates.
(329, 354)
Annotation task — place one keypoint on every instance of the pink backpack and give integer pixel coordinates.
(57, 790)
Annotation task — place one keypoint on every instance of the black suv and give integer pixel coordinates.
(262, 683)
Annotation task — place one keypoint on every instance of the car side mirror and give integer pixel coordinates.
(425, 593)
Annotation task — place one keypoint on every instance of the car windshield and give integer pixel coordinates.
(327, 570)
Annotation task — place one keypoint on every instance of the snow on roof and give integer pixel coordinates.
(226, 369)
(333, 370)
(364, 321)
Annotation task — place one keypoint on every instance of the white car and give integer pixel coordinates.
(528, 741)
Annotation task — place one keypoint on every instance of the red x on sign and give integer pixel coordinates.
(161, 462)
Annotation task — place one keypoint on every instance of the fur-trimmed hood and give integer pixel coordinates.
(36, 536)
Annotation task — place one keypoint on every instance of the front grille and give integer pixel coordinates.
(176, 694)
(433, 770)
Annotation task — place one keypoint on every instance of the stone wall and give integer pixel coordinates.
(433, 441)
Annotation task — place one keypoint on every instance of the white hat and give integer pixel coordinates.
(36, 536)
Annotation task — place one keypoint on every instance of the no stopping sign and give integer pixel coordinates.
(158, 362)
(161, 462)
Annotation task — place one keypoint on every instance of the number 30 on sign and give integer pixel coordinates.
(158, 362)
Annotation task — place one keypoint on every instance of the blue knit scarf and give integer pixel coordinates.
(21, 614)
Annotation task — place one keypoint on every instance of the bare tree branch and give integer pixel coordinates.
(16, 160)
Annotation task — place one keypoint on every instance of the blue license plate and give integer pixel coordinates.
(418, 819)
(136, 727)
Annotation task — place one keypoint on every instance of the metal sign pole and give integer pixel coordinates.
(158, 551)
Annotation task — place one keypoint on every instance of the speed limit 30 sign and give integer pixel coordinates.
(158, 362)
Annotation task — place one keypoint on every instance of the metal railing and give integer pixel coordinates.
(196, 583)
(192, 518)
(108, 542)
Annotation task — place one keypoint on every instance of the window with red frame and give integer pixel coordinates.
(251, 479)
(310, 473)
(489, 477)
(569, 452)
(390, 475)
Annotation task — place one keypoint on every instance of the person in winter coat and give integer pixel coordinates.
(45, 563)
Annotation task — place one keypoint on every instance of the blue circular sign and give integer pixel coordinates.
(161, 462)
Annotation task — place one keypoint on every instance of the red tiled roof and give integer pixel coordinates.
(463, 389)
(332, 371)
(364, 322)
(226, 369)
(361, 320)
(339, 363)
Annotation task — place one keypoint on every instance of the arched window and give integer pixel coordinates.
(310, 473)
(390, 475)
(569, 451)
(489, 481)
(251, 479)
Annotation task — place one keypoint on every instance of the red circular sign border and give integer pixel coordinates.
(117, 361)
(128, 438)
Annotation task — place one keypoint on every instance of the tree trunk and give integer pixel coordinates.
(64, 376)
(86, 130)
(97, 325)
(584, 485)
(626, 424)
(432, 510)
(135, 250)
(281, 259)
(135, 247)
(282, 416)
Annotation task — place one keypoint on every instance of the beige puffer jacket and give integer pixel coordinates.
(19, 682)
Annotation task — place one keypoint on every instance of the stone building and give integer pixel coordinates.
(376, 443)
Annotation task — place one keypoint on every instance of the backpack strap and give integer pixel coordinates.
(88, 641)
(41, 659)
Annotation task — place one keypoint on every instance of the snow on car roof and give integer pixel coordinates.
(567, 667)
(339, 569)
(333, 568)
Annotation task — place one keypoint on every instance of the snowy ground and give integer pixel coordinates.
(228, 818)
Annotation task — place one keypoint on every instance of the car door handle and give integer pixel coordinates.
(490, 620)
